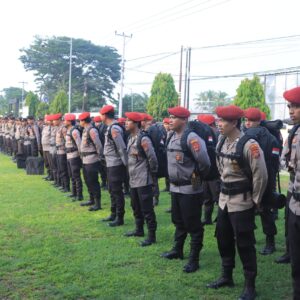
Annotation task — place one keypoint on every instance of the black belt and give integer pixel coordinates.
(296, 196)
(236, 188)
(70, 150)
(84, 154)
(181, 182)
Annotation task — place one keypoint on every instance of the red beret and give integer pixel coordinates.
(179, 111)
(134, 116)
(48, 118)
(146, 117)
(70, 117)
(166, 120)
(263, 115)
(122, 120)
(106, 109)
(230, 112)
(56, 117)
(252, 113)
(292, 95)
(84, 116)
(207, 119)
(97, 119)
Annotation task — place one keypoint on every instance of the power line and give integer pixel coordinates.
(160, 15)
(182, 16)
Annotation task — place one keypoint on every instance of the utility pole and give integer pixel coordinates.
(188, 79)
(180, 76)
(122, 69)
(22, 100)
(70, 74)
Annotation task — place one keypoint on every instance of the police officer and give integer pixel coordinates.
(252, 120)
(239, 194)
(211, 188)
(166, 124)
(62, 155)
(102, 170)
(45, 141)
(293, 98)
(116, 162)
(73, 144)
(142, 163)
(147, 121)
(185, 174)
(91, 150)
(53, 150)
(34, 136)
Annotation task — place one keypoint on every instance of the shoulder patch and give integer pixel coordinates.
(145, 144)
(114, 133)
(254, 149)
(195, 145)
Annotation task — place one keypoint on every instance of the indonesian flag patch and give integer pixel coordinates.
(275, 151)
(210, 139)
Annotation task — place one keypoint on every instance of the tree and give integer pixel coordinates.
(251, 93)
(32, 101)
(163, 96)
(42, 109)
(135, 102)
(209, 100)
(60, 103)
(95, 69)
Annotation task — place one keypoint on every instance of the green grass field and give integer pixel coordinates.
(52, 248)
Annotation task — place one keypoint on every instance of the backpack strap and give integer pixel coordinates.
(142, 134)
(290, 141)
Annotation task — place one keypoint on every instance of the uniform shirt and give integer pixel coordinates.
(52, 140)
(12, 131)
(140, 167)
(294, 168)
(73, 141)
(46, 134)
(60, 140)
(181, 166)
(18, 132)
(34, 133)
(26, 136)
(115, 150)
(90, 143)
(231, 172)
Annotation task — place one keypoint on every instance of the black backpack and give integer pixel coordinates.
(155, 134)
(80, 130)
(125, 134)
(101, 130)
(270, 147)
(206, 133)
(274, 128)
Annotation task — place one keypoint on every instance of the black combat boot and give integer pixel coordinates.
(224, 280)
(118, 221)
(74, 192)
(283, 259)
(175, 253)
(110, 218)
(97, 205)
(90, 202)
(270, 246)
(139, 229)
(249, 292)
(151, 239)
(208, 210)
(193, 263)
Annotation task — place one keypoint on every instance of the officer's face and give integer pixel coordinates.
(294, 110)
(166, 125)
(251, 124)
(104, 118)
(130, 125)
(67, 123)
(176, 123)
(56, 122)
(226, 127)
